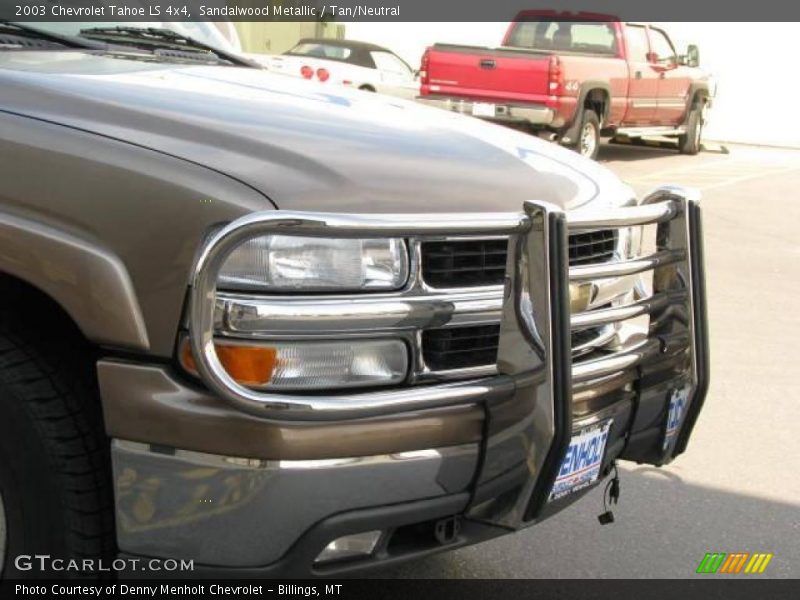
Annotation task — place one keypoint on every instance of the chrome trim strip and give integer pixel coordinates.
(622, 217)
(650, 131)
(274, 316)
(428, 374)
(613, 363)
(646, 306)
(625, 267)
(603, 338)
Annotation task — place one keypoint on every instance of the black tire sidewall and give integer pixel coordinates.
(35, 516)
(689, 143)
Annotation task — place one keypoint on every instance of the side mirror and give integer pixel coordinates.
(692, 56)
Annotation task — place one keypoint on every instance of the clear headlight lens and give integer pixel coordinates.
(311, 365)
(294, 263)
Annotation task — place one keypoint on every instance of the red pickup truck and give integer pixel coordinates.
(573, 77)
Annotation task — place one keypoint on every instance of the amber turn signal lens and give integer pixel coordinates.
(248, 365)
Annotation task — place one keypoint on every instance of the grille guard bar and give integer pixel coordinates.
(663, 206)
(535, 372)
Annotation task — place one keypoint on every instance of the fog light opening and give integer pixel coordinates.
(357, 545)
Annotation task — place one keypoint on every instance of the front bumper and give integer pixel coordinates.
(259, 505)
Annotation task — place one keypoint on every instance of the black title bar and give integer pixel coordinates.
(387, 10)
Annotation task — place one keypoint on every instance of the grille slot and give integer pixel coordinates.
(472, 263)
(476, 345)
(592, 247)
(464, 263)
(460, 347)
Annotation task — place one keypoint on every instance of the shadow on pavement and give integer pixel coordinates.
(663, 529)
(626, 152)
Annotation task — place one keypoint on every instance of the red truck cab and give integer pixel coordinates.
(574, 77)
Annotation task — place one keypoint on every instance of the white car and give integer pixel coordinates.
(353, 64)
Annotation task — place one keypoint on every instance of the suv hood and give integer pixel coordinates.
(304, 145)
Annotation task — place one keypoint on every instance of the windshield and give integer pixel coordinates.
(592, 37)
(203, 31)
(321, 50)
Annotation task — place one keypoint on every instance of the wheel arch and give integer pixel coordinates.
(697, 92)
(595, 95)
(590, 92)
(86, 281)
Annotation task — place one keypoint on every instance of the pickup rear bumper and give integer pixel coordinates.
(289, 514)
(508, 113)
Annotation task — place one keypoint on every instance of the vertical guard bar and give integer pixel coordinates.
(658, 432)
(700, 348)
(560, 361)
(528, 434)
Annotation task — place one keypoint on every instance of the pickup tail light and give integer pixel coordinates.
(423, 68)
(323, 74)
(555, 77)
(307, 72)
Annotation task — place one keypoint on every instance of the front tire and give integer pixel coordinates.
(689, 143)
(55, 478)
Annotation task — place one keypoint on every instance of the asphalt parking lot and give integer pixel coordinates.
(737, 489)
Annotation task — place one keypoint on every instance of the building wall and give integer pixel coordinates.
(275, 38)
(756, 86)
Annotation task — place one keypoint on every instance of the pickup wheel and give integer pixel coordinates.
(55, 476)
(588, 142)
(689, 143)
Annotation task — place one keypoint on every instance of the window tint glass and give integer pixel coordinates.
(592, 37)
(386, 61)
(637, 43)
(662, 47)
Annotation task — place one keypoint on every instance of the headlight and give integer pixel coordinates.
(309, 365)
(285, 263)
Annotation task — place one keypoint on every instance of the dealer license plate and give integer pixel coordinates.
(581, 465)
(677, 407)
(483, 109)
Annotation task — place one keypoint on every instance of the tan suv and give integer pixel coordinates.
(278, 329)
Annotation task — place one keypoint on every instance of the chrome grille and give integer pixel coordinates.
(472, 263)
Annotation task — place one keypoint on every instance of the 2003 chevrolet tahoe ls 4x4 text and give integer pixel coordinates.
(283, 330)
